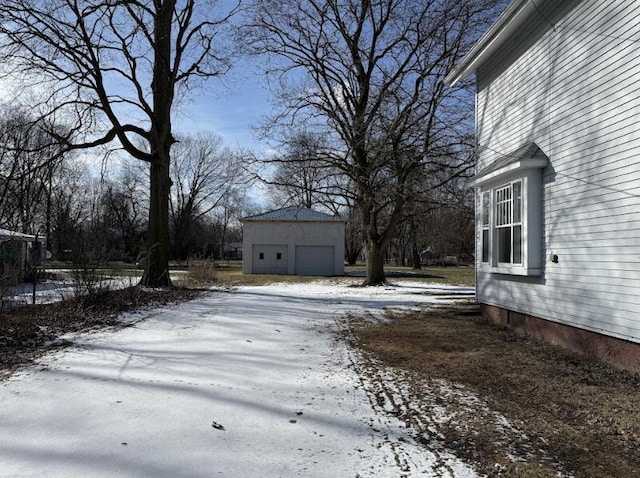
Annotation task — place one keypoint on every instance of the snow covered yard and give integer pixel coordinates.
(249, 383)
(65, 287)
(48, 291)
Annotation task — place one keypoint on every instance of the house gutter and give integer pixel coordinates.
(507, 23)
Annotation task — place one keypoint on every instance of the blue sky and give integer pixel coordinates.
(231, 109)
(232, 105)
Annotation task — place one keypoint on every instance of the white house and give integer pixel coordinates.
(293, 240)
(558, 178)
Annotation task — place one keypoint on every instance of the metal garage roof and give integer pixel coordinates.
(294, 214)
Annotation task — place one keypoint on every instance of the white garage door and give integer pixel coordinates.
(270, 259)
(315, 260)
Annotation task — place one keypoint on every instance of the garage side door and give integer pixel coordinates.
(315, 260)
(270, 259)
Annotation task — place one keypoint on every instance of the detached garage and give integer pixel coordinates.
(293, 240)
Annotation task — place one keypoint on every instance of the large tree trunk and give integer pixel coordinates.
(375, 263)
(377, 239)
(157, 269)
(374, 242)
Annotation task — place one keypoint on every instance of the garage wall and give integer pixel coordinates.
(270, 259)
(309, 239)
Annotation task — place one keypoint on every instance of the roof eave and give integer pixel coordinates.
(511, 18)
(292, 214)
(517, 166)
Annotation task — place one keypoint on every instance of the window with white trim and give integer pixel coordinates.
(509, 217)
(486, 214)
(510, 225)
(508, 213)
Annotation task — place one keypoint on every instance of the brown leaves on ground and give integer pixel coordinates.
(28, 332)
(573, 416)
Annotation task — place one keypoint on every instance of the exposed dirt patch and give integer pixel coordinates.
(28, 332)
(512, 406)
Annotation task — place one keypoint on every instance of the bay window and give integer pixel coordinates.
(510, 214)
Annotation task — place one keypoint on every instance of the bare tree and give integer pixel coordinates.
(305, 175)
(438, 222)
(227, 218)
(28, 161)
(447, 228)
(70, 200)
(116, 68)
(353, 235)
(123, 212)
(368, 75)
(203, 175)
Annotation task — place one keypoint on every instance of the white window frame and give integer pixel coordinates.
(485, 227)
(497, 188)
(508, 222)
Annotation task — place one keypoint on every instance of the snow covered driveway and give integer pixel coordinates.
(249, 383)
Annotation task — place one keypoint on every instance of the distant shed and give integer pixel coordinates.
(15, 255)
(295, 241)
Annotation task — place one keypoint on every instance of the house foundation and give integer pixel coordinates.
(617, 352)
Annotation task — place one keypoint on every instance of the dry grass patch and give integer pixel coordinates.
(201, 273)
(573, 416)
(233, 277)
(454, 275)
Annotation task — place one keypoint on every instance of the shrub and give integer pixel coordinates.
(202, 272)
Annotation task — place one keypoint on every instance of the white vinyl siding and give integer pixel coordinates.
(574, 91)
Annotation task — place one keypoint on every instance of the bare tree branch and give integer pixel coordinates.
(368, 76)
(100, 63)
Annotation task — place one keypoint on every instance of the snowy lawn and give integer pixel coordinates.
(49, 291)
(55, 290)
(248, 383)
